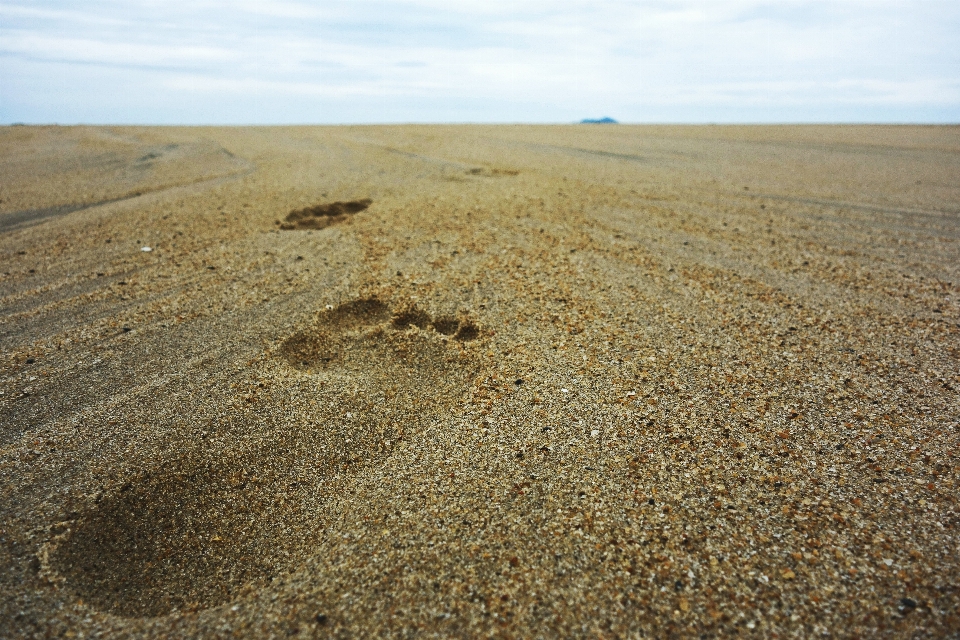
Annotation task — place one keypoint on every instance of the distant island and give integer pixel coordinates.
(600, 121)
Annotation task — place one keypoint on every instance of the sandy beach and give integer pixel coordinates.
(598, 381)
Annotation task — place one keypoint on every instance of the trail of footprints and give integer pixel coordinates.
(193, 531)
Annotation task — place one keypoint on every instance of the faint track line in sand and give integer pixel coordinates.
(443, 162)
(29, 217)
(943, 224)
(839, 204)
(581, 151)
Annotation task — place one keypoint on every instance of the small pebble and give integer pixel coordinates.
(146, 249)
(906, 605)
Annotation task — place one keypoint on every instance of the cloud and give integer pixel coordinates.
(39, 46)
(429, 60)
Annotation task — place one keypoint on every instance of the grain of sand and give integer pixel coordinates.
(570, 381)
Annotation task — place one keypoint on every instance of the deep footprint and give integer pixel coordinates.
(194, 531)
(322, 216)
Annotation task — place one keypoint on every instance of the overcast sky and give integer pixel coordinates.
(210, 61)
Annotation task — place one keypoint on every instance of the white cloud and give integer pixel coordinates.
(86, 50)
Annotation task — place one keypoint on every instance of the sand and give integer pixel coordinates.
(464, 381)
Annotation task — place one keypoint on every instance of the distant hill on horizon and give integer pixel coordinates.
(606, 120)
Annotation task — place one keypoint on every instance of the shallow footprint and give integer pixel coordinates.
(194, 531)
(185, 535)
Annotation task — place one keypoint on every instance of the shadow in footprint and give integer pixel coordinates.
(186, 535)
(322, 216)
(197, 529)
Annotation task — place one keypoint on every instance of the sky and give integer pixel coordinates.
(387, 61)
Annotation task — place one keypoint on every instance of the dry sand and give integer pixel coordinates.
(576, 381)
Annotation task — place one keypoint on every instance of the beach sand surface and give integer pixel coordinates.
(462, 381)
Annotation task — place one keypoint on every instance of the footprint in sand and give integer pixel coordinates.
(322, 216)
(492, 172)
(192, 532)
